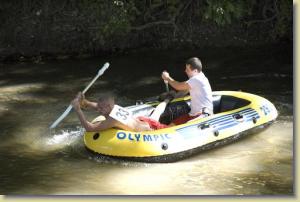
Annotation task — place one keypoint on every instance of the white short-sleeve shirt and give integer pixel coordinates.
(201, 94)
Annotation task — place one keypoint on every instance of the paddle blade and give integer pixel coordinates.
(61, 117)
(105, 66)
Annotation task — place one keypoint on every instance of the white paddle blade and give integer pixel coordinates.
(61, 117)
(102, 70)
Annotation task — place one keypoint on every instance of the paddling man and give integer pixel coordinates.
(198, 87)
(116, 116)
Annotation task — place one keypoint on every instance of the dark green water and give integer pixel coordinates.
(35, 160)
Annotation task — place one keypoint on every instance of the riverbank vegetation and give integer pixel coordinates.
(82, 28)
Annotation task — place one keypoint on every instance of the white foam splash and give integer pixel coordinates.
(66, 137)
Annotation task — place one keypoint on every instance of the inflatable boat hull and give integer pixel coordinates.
(237, 114)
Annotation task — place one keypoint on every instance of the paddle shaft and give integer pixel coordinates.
(67, 111)
(167, 85)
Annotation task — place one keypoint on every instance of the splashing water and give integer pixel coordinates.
(65, 137)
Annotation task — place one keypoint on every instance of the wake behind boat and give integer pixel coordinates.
(236, 114)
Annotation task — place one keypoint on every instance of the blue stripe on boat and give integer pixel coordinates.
(219, 123)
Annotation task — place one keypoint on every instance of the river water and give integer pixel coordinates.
(35, 160)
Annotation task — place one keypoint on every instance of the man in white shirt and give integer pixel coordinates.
(198, 87)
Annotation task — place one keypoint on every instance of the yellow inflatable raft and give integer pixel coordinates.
(236, 114)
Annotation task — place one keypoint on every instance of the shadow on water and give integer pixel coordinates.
(39, 161)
